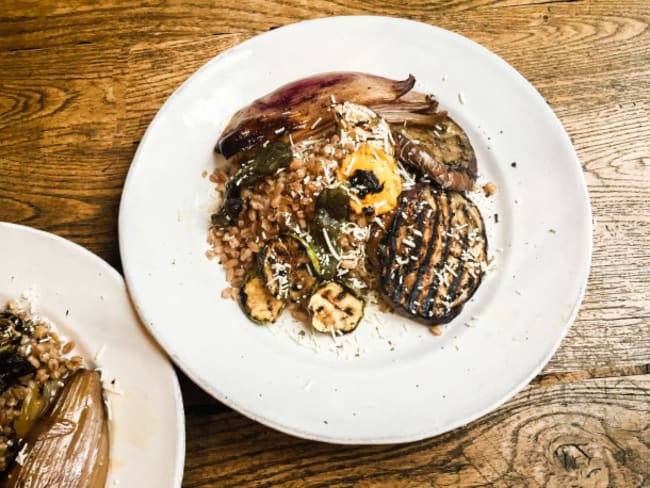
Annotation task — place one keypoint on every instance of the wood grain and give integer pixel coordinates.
(79, 84)
(586, 433)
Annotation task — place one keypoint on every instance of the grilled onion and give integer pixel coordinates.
(68, 447)
(301, 108)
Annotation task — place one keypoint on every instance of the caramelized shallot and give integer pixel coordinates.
(68, 447)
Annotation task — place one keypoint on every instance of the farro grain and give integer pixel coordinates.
(47, 357)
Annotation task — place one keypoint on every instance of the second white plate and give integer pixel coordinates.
(88, 302)
(391, 381)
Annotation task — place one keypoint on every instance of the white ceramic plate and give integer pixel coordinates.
(87, 301)
(405, 384)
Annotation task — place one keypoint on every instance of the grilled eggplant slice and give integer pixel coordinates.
(442, 151)
(286, 266)
(258, 304)
(334, 307)
(433, 255)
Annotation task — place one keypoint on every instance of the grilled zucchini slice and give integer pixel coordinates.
(334, 307)
(286, 266)
(258, 304)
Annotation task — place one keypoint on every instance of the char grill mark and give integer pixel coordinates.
(411, 263)
(394, 229)
(460, 268)
(433, 296)
(432, 256)
(426, 262)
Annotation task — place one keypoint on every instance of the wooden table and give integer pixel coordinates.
(79, 85)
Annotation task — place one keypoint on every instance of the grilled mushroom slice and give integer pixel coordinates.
(443, 151)
(433, 255)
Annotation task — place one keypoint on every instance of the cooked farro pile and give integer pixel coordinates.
(342, 186)
(34, 363)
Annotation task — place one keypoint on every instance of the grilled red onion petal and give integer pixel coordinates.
(298, 108)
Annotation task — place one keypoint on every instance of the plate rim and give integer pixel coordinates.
(110, 271)
(370, 440)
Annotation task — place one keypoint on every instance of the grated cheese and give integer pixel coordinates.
(330, 246)
(313, 126)
(21, 457)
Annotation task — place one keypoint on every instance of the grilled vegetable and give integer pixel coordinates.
(258, 304)
(34, 406)
(361, 125)
(325, 231)
(12, 367)
(433, 254)
(413, 108)
(68, 447)
(374, 181)
(308, 245)
(12, 328)
(442, 151)
(286, 268)
(271, 159)
(301, 108)
(334, 307)
(336, 201)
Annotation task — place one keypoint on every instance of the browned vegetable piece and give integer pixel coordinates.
(287, 267)
(68, 447)
(335, 308)
(442, 151)
(433, 255)
(258, 303)
(301, 108)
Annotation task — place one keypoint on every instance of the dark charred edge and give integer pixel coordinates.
(414, 295)
(235, 141)
(435, 286)
(454, 311)
(442, 212)
(420, 223)
(472, 167)
(425, 106)
(450, 315)
(404, 86)
(481, 224)
(471, 285)
(404, 144)
(252, 132)
(389, 241)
